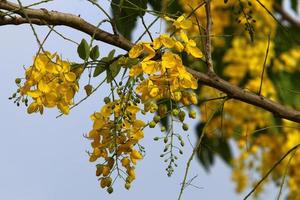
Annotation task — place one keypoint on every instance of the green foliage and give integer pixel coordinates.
(287, 89)
(173, 7)
(83, 50)
(294, 4)
(104, 63)
(94, 55)
(125, 14)
(211, 147)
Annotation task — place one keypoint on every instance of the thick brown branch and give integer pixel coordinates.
(45, 17)
(286, 16)
(251, 98)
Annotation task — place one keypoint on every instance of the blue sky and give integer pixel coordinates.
(43, 158)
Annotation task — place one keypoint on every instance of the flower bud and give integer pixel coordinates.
(192, 114)
(152, 124)
(181, 116)
(156, 118)
(185, 126)
(88, 89)
(110, 190)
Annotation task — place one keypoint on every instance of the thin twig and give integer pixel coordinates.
(146, 28)
(272, 168)
(208, 45)
(83, 99)
(285, 174)
(196, 149)
(264, 66)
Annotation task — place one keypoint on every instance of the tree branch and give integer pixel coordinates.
(44, 17)
(286, 16)
(235, 92)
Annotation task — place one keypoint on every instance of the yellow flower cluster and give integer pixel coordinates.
(245, 58)
(50, 82)
(288, 61)
(243, 63)
(167, 76)
(115, 133)
(220, 15)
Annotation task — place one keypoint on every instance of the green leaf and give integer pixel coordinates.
(156, 4)
(83, 50)
(125, 14)
(112, 71)
(287, 89)
(224, 150)
(105, 64)
(211, 147)
(101, 67)
(95, 53)
(294, 4)
(173, 7)
(111, 54)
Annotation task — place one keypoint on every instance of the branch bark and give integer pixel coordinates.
(286, 16)
(45, 17)
(237, 93)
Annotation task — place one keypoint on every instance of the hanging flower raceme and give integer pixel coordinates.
(50, 82)
(167, 76)
(115, 134)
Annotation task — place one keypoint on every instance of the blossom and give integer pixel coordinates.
(50, 82)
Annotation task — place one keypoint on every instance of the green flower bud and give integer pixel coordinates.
(175, 112)
(156, 118)
(182, 143)
(152, 124)
(106, 100)
(127, 186)
(110, 190)
(17, 80)
(165, 139)
(185, 126)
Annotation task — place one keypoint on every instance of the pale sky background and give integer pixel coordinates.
(43, 158)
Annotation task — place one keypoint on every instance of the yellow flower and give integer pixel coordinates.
(181, 22)
(136, 51)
